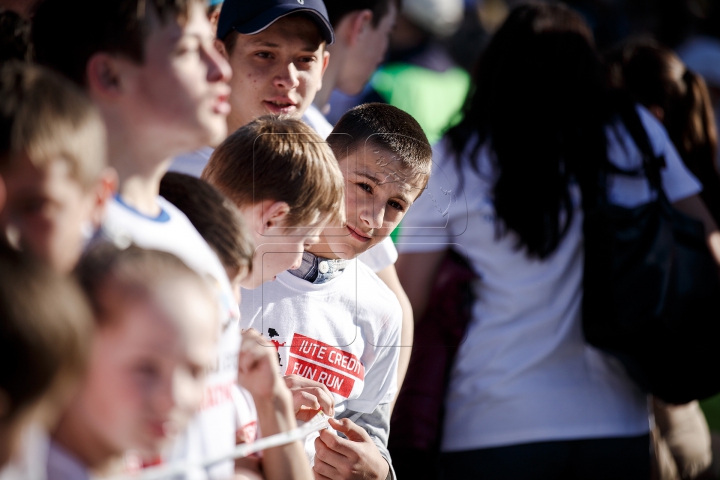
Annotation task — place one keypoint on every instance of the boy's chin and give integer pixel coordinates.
(348, 251)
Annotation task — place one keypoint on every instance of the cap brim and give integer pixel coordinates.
(272, 15)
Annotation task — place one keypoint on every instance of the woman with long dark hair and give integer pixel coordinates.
(527, 397)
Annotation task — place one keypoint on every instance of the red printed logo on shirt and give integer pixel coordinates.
(323, 363)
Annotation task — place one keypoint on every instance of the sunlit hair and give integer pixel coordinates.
(113, 278)
(66, 36)
(280, 159)
(47, 118)
(45, 332)
(655, 77)
(387, 127)
(539, 99)
(214, 216)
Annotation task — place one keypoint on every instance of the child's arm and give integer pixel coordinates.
(258, 373)
(389, 276)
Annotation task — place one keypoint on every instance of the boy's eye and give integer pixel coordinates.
(307, 59)
(263, 54)
(34, 206)
(397, 206)
(146, 372)
(366, 187)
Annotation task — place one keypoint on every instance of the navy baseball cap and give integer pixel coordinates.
(253, 16)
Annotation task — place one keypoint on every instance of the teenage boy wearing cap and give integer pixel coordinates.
(278, 49)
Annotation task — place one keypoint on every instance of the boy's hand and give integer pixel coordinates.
(258, 366)
(309, 397)
(355, 458)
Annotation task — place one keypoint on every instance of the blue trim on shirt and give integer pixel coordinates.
(161, 218)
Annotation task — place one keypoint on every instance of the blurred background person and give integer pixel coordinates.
(528, 398)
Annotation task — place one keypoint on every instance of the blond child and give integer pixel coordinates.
(263, 403)
(286, 183)
(44, 338)
(53, 161)
(155, 337)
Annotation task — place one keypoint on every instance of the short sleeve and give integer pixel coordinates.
(677, 181)
(380, 256)
(439, 214)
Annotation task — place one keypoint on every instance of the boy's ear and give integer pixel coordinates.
(103, 75)
(359, 23)
(326, 61)
(273, 214)
(105, 188)
(220, 46)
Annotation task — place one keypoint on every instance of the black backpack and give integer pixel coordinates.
(651, 286)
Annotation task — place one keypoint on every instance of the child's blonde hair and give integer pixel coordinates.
(45, 330)
(47, 118)
(280, 159)
(132, 274)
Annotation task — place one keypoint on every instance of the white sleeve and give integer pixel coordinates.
(381, 378)
(429, 223)
(677, 180)
(380, 256)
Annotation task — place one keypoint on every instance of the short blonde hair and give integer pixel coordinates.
(45, 117)
(45, 331)
(280, 159)
(111, 276)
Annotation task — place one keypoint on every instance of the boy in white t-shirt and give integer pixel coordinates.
(332, 320)
(221, 225)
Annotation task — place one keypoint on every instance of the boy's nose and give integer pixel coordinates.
(287, 77)
(218, 67)
(372, 215)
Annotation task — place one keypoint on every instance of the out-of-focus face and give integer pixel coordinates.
(366, 54)
(279, 249)
(146, 371)
(276, 71)
(177, 98)
(47, 211)
(379, 190)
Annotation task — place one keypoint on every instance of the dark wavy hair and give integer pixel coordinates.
(540, 99)
(655, 77)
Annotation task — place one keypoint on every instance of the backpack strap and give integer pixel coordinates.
(652, 163)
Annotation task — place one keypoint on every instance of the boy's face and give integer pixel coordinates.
(146, 371)
(276, 71)
(379, 190)
(177, 98)
(280, 249)
(366, 54)
(48, 212)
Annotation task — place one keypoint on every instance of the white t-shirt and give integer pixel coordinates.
(212, 431)
(30, 461)
(317, 121)
(192, 163)
(341, 333)
(524, 373)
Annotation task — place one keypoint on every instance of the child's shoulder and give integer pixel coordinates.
(374, 293)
